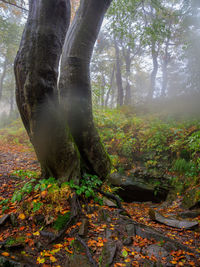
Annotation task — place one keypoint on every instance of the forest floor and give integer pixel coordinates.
(109, 235)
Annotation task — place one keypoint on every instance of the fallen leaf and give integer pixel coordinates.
(6, 254)
(21, 216)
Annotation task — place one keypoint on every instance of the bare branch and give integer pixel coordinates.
(12, 4)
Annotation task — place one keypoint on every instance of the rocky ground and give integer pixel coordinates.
(103, 235)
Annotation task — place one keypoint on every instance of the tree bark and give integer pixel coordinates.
(3, 75)
(120, 92)
(75, 87)
(36, 71)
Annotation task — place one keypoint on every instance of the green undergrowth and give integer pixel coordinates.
(157, 143)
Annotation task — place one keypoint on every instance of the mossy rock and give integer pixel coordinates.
(78, 260)
(191, 197)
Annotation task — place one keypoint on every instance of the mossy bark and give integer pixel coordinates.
(61, 129)
(75, 88)
(36, 71)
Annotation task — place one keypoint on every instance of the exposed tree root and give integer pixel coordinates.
(88, 253)
(75, 215)
(116, 198)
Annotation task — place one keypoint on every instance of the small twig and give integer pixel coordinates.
(88, 253)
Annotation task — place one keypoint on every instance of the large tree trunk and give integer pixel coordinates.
(36, 71)
(120, 92)
(61, 129)
(75, 87)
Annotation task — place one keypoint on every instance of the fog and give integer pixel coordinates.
(146, 57)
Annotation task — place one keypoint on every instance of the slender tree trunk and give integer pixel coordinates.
(12, 95)
(36, 71)
(3, 75)
(75, 87)
(103, 84)
(165, 63)
(154, 54)
(127, 99)
(111, 85)
(120, 92)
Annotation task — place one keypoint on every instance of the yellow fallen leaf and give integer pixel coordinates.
(21, 216)
(6, 254)
(40, 260)
(36, 233)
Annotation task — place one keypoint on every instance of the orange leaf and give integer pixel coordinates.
(53, 259)
(6, 254)
(22, 228)
(44, 194)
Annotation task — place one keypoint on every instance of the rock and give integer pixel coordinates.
(78, 260)
(108, 202)
(108, 233)
(138, 188)
(155, 216)
(108, 253)
(195, 206)
(84, 227)
(39, 219)
(5, 262)
(158, 251)
(13, 219)
(130, 229)
(4, 219)
(128, 241)
(189, 214)
(103, 215)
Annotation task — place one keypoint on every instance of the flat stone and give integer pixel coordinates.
(84, 227)
(108, 253)
(78, 260)
(130, 229)
(108, 202)
(128, 241)
(157, 251)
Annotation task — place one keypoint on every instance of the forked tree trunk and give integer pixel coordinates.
(36, 72)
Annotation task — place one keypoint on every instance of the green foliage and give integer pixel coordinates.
(87, 186)
(43, 184)
(181, 165)
(26, 189)
(25, 174)
(61, 221)
(37, 206)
